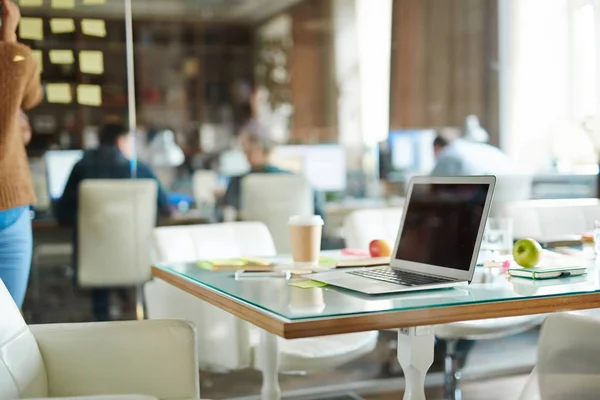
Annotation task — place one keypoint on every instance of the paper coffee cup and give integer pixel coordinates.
(305, 238)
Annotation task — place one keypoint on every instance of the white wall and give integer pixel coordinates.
(362, 55)
(347, 72)
(375, 46)
(534, 78)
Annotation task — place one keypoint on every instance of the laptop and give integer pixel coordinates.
(438, 241)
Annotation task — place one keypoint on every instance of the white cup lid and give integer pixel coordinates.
(306, 220)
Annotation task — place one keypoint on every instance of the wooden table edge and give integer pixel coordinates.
(296, 329)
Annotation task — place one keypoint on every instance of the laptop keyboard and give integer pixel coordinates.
(387, 274)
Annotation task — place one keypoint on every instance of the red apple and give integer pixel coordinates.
(380, 248)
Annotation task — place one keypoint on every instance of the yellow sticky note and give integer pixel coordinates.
(63, 4)
(31, 3)
(89, 95)
(307, 284)
(94, 2)
(62, 57)
(93, 27)
(62, 25)
(59, 93)
(91, 62)
(31, 28)
(38, 56)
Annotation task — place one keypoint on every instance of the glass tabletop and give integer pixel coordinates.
(279, 297)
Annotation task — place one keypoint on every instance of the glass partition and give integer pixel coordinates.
(352, 88)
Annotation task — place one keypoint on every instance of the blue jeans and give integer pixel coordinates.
(15, 251)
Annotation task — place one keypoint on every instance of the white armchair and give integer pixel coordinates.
(568, 362)
(139, 360)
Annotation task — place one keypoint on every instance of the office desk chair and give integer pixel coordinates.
(272, 199)
(568, 361)
(115, 222)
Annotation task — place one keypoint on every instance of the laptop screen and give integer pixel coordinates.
(442, 223)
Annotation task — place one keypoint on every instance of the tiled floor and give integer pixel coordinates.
(494, 389)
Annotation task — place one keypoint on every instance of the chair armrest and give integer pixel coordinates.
(155, 358)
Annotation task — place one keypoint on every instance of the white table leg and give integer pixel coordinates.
(268, 362)
(415, 354)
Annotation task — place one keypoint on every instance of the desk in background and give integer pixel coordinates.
(191, 217)
(564, 186)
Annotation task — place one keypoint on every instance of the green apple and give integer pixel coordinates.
(527, 253)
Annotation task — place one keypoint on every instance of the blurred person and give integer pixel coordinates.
(21, 89)
(110, 161)
(459, 156)
(439, 144)
(257, 146)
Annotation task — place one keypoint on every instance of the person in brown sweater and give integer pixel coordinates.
(20, 89)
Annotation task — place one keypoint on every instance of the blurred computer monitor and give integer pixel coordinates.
(324, 165)
(233, 163)
(59, 164)
(411, 152)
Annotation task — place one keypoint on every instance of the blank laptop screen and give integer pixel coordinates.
(441, 224)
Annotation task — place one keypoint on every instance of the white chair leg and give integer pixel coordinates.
(451, 372)
(140, 311)
(415, 354)
(268, 362)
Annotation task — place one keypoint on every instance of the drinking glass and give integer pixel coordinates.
(498, 236)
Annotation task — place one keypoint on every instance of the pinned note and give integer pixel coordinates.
(62, 25)
(38, 56)
(59, 93)
(30, 3)
(62, 57)
(94, 2)
(93, 27)
(63, 4)
(91, 62)
(31, 28)
(89, 95)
